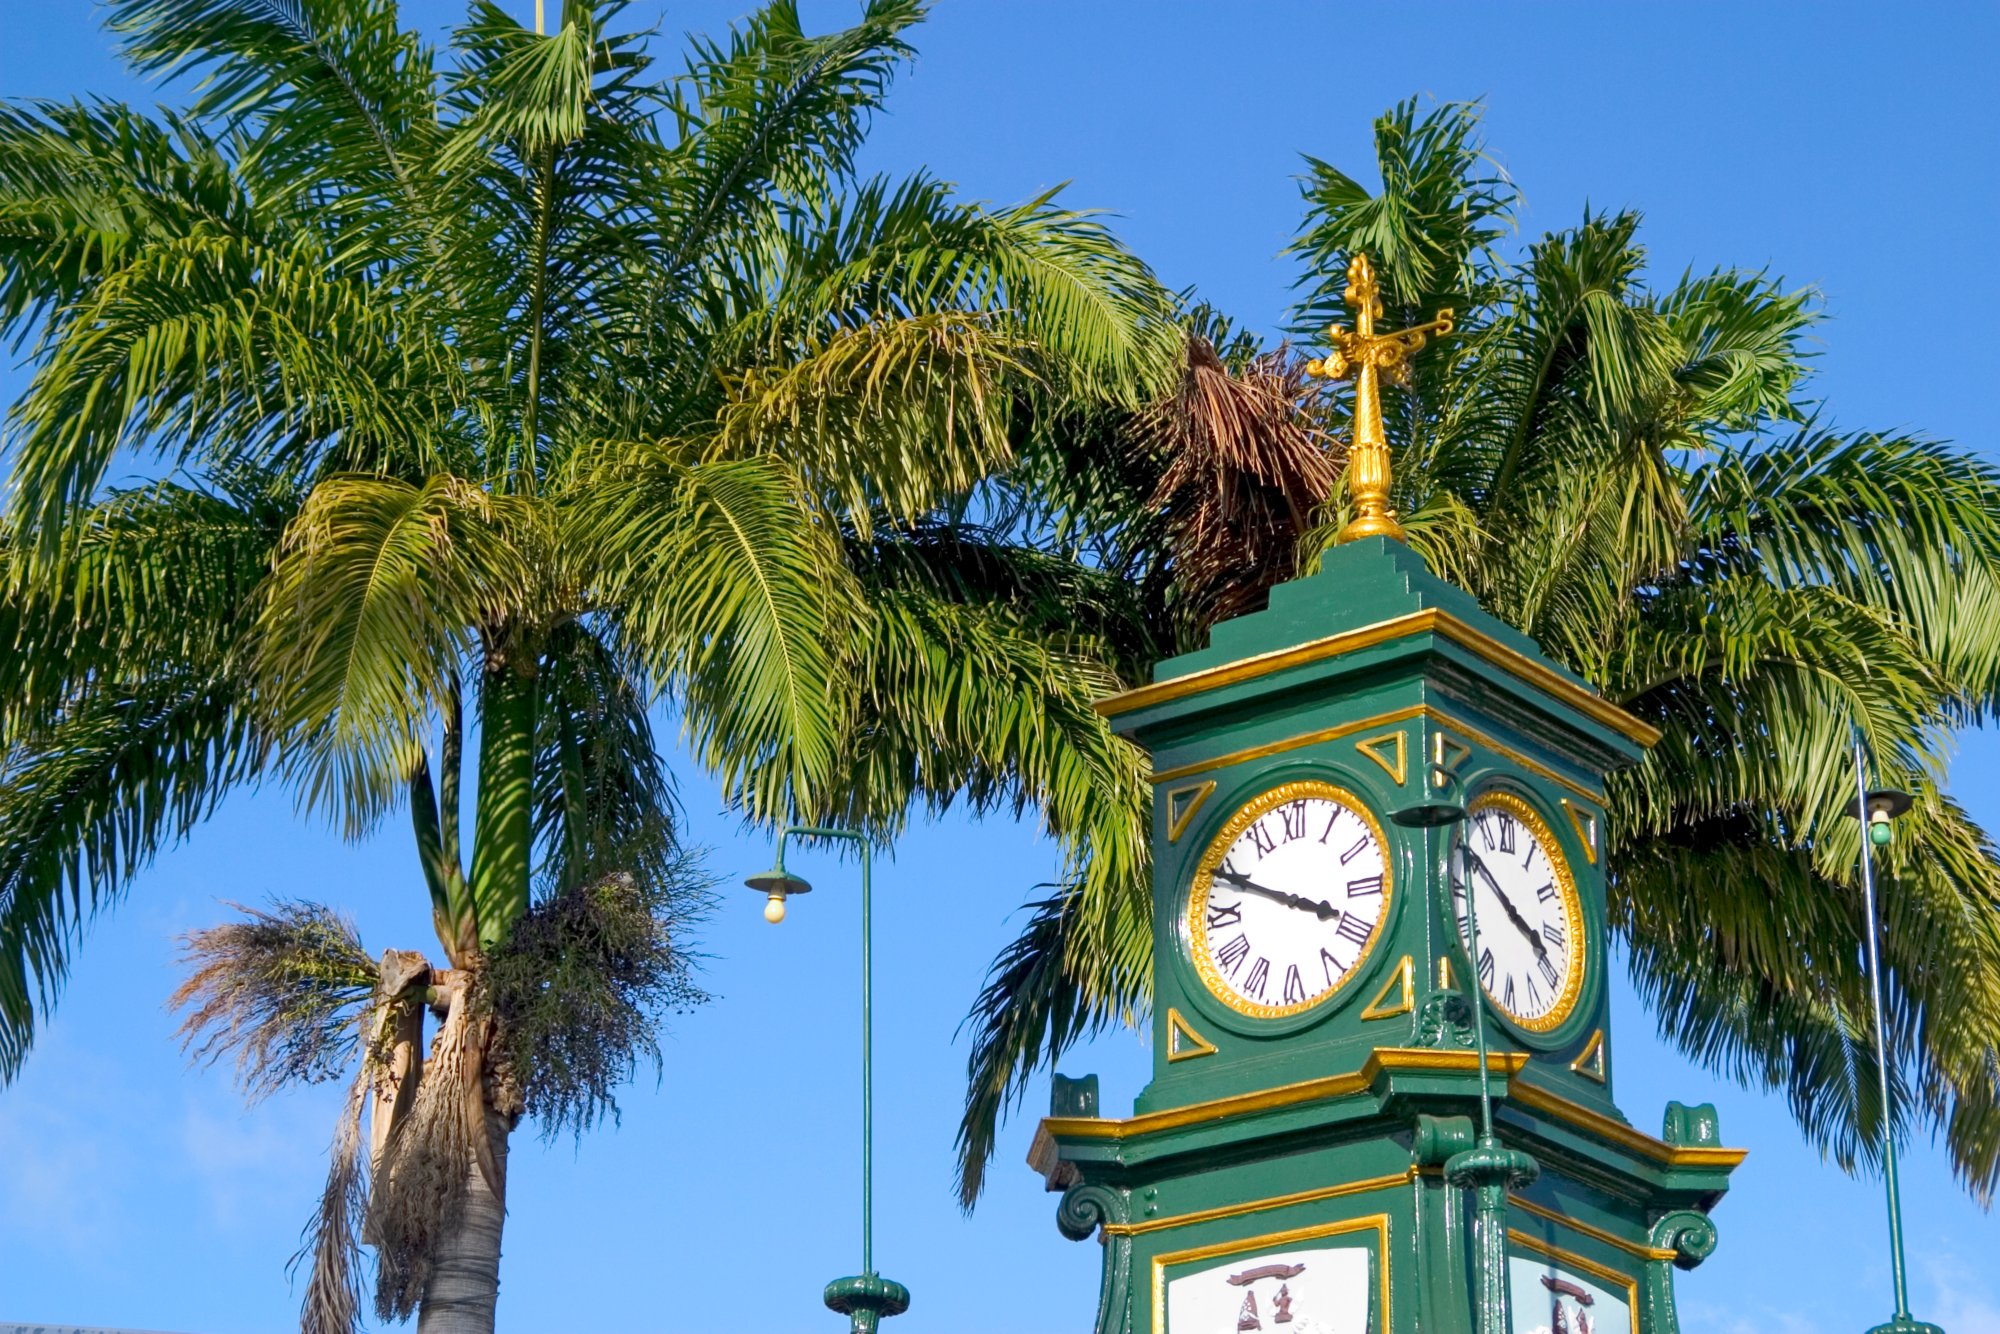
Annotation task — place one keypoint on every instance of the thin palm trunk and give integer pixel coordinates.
(464, 1287)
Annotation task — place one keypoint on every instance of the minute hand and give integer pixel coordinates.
(1320, 908)
(1506, 905)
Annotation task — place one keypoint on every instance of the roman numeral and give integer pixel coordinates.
(1360, 846)
(1232, 955)
(1528, 861)
(1534, 994)
(1548, 970)
(1553, 932)
(1546, 894)
(1507, 1000)
(1295, 986)
(1464, 927)
(1262, 838)
(1331, 964)
(1485, 825)
(1353, 928)
(1260, 974)
(1219, 916)
(1293, 817)
(1364, 887)
(1486, 968)
(1507, 832)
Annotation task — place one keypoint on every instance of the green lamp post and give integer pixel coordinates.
(1488, 1169)
(864, 1298)
(1876, 810)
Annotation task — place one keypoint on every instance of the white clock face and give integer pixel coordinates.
(1293, 1292)
(1529, 955)
(1288, 900)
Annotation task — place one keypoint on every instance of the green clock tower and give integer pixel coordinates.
(1377, 807)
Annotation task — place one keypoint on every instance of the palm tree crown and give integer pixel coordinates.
(1636, 477)
(528, 383)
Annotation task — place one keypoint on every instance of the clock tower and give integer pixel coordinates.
(1378, 829)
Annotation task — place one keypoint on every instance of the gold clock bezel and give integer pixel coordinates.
(1195, 920)
(1572, 903)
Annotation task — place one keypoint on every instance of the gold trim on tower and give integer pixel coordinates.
(1585, 824)
(1644, 1252)
(1269, 1202)
(1313, 738)
(1182, 803)
(1429, 621)
(1183, 1043)
(1590, 1061)
(1398, 768)
(1403, 983)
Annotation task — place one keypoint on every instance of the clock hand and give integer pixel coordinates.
(1318, 907)
(1506, 904)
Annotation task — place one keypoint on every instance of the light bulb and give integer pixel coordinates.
(774, 909)
(1879, 830)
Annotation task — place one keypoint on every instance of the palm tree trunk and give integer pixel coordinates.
(464, 1286)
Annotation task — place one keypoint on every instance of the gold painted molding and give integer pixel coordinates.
(1183, 1043)
(1403, 983)
(1585, 823)
(1392, 1059)
(1395, 1060)
(1590, 1061)
(1429, 621)
(1259, 1206)
(1638, 1141)
(1394, 716)
(1398, 745)
(1640, 1249)
(1178, 817)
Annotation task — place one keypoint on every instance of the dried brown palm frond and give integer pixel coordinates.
(283, 989)
(1243, 469)
(333, 1238)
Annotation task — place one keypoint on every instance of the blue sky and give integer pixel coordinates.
(1846, 147)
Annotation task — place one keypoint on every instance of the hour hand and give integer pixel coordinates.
(1318, 907)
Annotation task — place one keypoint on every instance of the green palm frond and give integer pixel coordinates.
(378, 594)
(732, 589)
(88, 804)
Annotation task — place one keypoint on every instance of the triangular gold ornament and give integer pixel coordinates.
(1182, 803)
(1590, 1061)
(1447, 753)
(1389, 751)
(1183, 1043)
(1585, 822)
(1397, 996)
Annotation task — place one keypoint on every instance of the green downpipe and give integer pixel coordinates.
(503, 826)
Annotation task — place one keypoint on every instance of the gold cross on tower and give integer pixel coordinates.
(1367, 355)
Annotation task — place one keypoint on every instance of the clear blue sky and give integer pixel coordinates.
(1850, 147)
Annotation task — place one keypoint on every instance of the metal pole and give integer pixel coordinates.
(867, 1076)
(1881, 1044)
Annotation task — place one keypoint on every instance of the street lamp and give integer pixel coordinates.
(1876, 809)
(1487, 1169)
(867, 1297)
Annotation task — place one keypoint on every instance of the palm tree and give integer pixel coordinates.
(535, 386)
(1637, 477)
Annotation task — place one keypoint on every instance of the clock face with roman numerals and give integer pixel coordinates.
(1529, 955)
(1288, 900)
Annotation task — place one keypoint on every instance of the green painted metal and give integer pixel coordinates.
(1366, 1130)
(1902, 1322)
(867, 1297)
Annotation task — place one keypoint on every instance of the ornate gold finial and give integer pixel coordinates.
(1367, 355)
